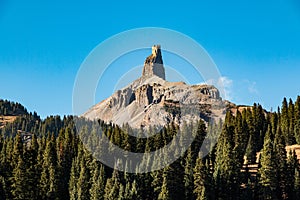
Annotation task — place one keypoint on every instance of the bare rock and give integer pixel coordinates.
(152, 101)
(153, 64)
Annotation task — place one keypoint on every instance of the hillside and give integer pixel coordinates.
(60, 160)
(9, 111)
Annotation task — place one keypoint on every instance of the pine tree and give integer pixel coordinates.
(98, 183)
(297, 120)
(267, 172)
(227, 168)
(83, 184)
(253, 138)
(296, 189)
(30, 161)
(172, 184)
(65, 152)
(112, 186)
(164, 193)
(19, 181)
(17, 150)
(281, 165)
(188, 176)
(291, 113)
(156, 184)
(284, 121)
(291, 175)
(73, 180)
(202, 181)
(48, 180)
(134, 194)
(241, 138)
(2, 188)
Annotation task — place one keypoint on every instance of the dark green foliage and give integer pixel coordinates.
(203, 181)
(297, 120)
(97, 182)
(11, 108)
(268, 179)
(56, 161)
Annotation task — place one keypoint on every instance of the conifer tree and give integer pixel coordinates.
(98, 183)
(267, 172)
(112, 187)
(74, 174)
(48, 180)
(164, 193)
(296, 189)
(19, 181)
(2, 188)
(83, 184)
(188, 176)
(227, 169)
(297, 120)
(281, 165)
(203, 187)
(291, 175)
(172, 185)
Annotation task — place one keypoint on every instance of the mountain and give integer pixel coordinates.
(152, 100)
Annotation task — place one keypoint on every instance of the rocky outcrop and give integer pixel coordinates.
(153, 64)
(151, 100)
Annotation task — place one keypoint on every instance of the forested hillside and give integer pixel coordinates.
(47, 159)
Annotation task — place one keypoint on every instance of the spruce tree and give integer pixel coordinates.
(267, 172)
(291, 175)
(98, 183)
(227, 168)
(203, 187)
(19, 187)
(164, 193)
(112, 187)
(49, 179)
(2, 188)
(188, 176)
(281, 165)
(296, 189)
(297, 120)
(83, 184)
(74, 174)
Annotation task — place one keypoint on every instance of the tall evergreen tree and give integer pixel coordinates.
(226, 169)
(267, 172)
(83, 184)
(203, 187)
(297, 120)
(188, 176)
(74, 174)
(281, 165)
(49, 180)
(19, 187)
(291, 176)
(98, 183)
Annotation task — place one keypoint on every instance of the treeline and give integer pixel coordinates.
(59, 161)
(11, 108)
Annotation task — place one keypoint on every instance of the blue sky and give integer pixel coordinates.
(255, 44)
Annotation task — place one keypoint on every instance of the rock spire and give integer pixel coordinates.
(154, 64)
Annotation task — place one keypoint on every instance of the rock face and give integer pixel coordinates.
(151, 100)
(153, 64)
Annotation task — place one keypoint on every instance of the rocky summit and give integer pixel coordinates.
(152, 101)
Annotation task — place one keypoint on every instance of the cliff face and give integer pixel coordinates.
(153, 64)
(151, 100)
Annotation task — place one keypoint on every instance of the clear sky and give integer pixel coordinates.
(255, 44)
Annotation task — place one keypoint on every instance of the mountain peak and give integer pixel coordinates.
(152, 101)
(153, 65)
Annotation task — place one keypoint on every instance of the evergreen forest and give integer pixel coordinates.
(51, 158)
